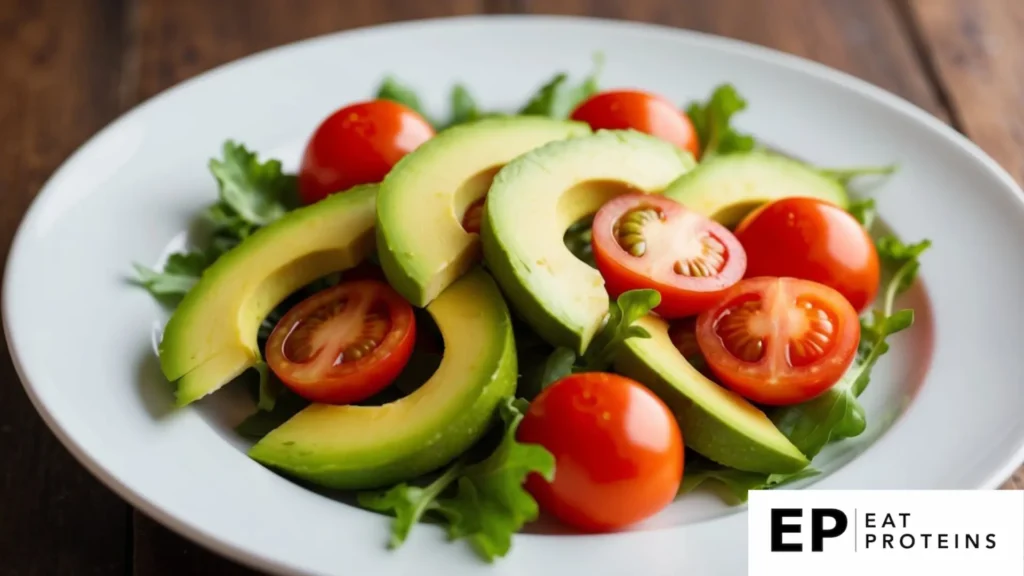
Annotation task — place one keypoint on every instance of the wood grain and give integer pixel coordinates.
(976, 50)
(58, 85)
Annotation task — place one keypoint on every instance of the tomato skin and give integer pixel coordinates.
(319, 377)
(641, 111)
(779, 341)
(618, 451)
(358, 144)
(680, 295)
(814, 240)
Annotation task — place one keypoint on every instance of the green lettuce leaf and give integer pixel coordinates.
(408, 503)
(622, 315)
(711, 119)
(845, 175)
(463, 106)
(559, 97)
(251, 192)
(734, 485)
(863, 211)
(180, 274)
(392, 89)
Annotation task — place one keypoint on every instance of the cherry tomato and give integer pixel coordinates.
(618, 451)
(359, 144)
(641, 111)
(649, 241)
(814, 240)
(779, 341)
(343, 344)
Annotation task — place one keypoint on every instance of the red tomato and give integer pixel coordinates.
(343, 344)
(359, 144)
(618, 451)
(641, 111)
(814, 240)
(649, 241)
(779, 341)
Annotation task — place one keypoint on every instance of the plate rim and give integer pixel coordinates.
(208, 540)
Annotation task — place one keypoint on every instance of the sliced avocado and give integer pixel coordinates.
(357, 447)
(727, 188)
(715, 422)
(420, 239)
(211, 337)
(537, 196)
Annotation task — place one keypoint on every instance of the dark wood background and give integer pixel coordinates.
(71, 66)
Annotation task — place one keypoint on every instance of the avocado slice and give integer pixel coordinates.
(715, 422)
(358, 447)
(211, 337)
(727, 188)
(537, 196)
(420, 239)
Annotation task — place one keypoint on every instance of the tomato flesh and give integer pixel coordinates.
(640, 111)
(649, 241)
(359, 144)
(814, 240)
(618, 451)
(779, 341)
(343, 344)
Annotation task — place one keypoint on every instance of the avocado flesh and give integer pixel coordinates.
(211, 337)
(727, 188)
(537, 196)
(422, 245)
(715, 421)
(358, 447)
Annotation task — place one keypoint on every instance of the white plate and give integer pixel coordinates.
(943, 405)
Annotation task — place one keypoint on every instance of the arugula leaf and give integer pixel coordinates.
(837, 414)
(845, 175)
(464, 106)
(491, 503)
(391, 89)
(409, 503)
(622, 314)
(180, 274)
(734, 485)
(895, 255)
(253, 192)
(863, 211)
(711, 121)
(558, 98)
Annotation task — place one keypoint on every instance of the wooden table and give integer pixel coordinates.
(71, 66)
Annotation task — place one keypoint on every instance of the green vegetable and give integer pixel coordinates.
(486, 503)
(252, 194)
(863, 211)
(845, 175)
(391, 89)
(734, 485)
(464, 106)
(837, 414)
(559, 97)
(180, 273)
(622, 315)
(270, 387)
(711, 121)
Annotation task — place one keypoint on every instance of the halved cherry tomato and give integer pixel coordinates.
(343, 344)
(618, 451)
(649, 241)
(359, 144)
(641, 111)
(814, 240)
(779, 341)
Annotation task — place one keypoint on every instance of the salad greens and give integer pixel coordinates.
(733, 485)
(711, 120)
(483, 502)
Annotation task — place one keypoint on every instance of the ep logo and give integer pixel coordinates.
(788, 527)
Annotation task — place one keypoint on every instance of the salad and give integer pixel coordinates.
(589, 307)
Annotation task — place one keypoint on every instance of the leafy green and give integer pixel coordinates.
(731, 484)
(180, 274)
(863, 211)
(837, 414)
(270, 387)
(392, 89)
(559, 97)
(895, 255)
(464, 106)
(622, 314)
(488, 503)
(252, 193)
(711, 120)
(845, 175)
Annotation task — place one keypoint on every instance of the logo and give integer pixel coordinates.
(814, 532)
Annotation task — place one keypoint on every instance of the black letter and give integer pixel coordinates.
(886, 540)
(943, 541)
(925, 537)
(869, 520)
(888, 522)
(905, 547)
(868, 540)
(779, 528)
(991, 541)
(818, 532)
(972, 540)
